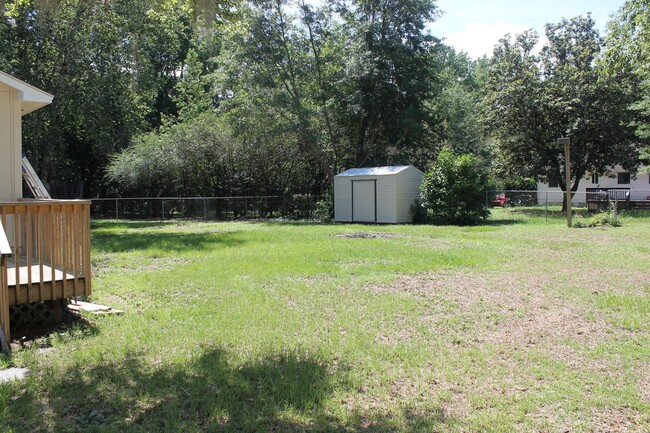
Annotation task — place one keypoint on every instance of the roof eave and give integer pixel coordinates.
(32, 97)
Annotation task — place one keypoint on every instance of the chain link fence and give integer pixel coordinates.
(294, 207)
(506, 204)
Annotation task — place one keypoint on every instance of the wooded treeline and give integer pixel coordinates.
(266, 97)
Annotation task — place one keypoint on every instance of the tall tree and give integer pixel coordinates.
(458, 104)
(388, 81)
(627, 59)
(533, 100)
(113, 67)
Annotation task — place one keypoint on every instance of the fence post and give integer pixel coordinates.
(163, 209)
(546, 208)
(117, 210)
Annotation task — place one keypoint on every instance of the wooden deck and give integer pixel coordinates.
(39, 283)
(49, 246)
(600, 198)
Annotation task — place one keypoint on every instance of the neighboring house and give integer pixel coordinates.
(617, 179)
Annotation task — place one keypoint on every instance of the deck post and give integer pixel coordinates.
(5, 252)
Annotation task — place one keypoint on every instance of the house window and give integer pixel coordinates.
(553, 181)
(624, 178)
(594, 179)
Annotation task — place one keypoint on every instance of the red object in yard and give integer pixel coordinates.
(499, 200)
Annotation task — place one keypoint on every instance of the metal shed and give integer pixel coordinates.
(376, 194)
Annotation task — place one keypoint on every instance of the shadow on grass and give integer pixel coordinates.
(288, 222)
(72, 325)
(175, 242)
(283, 393)
(534, 212)
(128, 224)
(501, 222)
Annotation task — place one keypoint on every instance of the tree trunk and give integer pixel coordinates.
(574, 188)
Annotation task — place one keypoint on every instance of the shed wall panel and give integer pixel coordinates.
(386, 190)
(408, 190)
(342, 199)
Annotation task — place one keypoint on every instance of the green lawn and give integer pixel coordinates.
(518, 325)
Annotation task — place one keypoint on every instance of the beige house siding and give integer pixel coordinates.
(10, 145)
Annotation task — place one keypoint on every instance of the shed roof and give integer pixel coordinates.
(374, 171)
(32, 98)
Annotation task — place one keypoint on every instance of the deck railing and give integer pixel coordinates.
(50, 240)
(599, 198)
(612, 194)
(5, 253)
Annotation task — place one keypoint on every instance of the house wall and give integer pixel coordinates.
(408, 190)
(10, 142)
(639, 188)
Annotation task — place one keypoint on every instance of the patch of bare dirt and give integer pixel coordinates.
(607, 280)
(615, 421)
(400, 331)
(514, 314)
(366, 235)
(643, 382)
(513, 310)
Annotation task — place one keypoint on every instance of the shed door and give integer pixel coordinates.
(364, 201)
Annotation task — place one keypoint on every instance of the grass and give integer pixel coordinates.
(517, 325)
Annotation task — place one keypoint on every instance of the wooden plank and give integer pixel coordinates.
(40, 236)
(16, 245)
(3, 342)
(18, 295)
(64, 258)
(5, 253)
(75, 250)
(87, 266)
(92, 308)
(27, 240)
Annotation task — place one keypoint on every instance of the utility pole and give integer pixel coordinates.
(567, 174)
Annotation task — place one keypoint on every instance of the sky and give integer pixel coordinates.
(475, 26)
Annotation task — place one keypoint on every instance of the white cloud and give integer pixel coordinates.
(479, 38)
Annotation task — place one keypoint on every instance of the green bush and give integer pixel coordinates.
(610, 218)
(419, 212)
(453, 191)
(324, 210)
